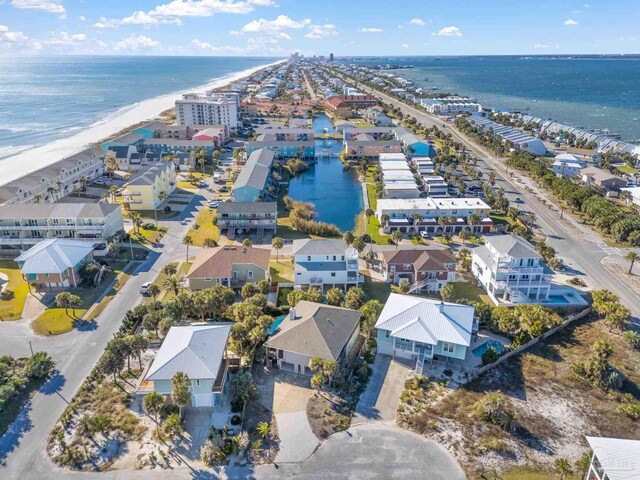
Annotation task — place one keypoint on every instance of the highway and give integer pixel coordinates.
(579, 247)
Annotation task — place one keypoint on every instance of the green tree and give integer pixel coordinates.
(153, 403)
(348, 238)
(173, 426)
(396, 236)
(335, 297)
(263, 430)
(369, 212)
(631, 256)
(40, 365)
(172, 284)
(180, 393)
(187, 240)
(242, 387)
(153, 290)
(170, 269)
(448, 292)
(359, 244)
(314, 294)
(277, 244)
(562, 467)
(404, 285)
(111, 363)
(294, 297)
(137, 344)
(370, 313)
(355, 298)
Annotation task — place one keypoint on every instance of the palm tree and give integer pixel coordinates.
(384, 218)
(172, 284)
(369, 212)
(246, 243)
(112, 192)
(632, 256)
(161, 196)
(277, 243)
(187, 240)
(37, 198)
(209, 243)
(396, 236)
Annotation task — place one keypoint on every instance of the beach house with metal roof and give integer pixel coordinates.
(201, 352)
(423, 329)
(614, 459)
(325, 263)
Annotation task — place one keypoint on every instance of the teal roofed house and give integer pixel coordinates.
(305, 149)
(413, 144)
(254, 182)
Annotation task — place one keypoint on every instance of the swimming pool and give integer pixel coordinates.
(479, 351)
(274, 326)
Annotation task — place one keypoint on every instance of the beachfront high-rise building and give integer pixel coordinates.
(331, 57)
(215, 109)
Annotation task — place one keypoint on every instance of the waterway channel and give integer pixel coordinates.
(335, 192)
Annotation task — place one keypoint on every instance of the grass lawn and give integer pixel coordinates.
(55, 321)
(627, 169)
(524, 473)
(281, 271)
(121, 279)
(187, 186)
(206, 227)
(148, 214)
(500, 219)
(11, 309)
(376, 290)
(183, 268)
(469, 291)
(148, 235)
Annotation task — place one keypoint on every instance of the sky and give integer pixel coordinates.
(318, 27)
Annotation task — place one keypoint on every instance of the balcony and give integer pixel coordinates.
(520, 270)
(316, 281)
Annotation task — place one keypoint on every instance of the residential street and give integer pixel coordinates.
(22, 448)
(582, 255)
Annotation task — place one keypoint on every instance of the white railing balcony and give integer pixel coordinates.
(316, 281)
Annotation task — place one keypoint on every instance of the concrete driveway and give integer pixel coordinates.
(286, 395)
(380, 399)
(372, 451)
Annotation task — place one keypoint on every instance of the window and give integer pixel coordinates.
(309, 258)
(448, 347)
(333, 274)
(197, 382)
(530, 262)
(250, 274)
(386, 333)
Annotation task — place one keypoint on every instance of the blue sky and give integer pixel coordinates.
(344, 27)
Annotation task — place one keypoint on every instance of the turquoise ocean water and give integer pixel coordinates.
(46, 98)
(597, 92)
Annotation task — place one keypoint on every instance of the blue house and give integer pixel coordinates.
(414, 145)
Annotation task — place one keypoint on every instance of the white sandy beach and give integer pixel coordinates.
(16, 166)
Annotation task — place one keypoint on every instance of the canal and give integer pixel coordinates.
(335, 192)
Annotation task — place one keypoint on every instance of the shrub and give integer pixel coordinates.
(210, 454)
(494, 408)
(633, 338)
(167, 410)
(489, 356)
(40, 365)
(235, 420)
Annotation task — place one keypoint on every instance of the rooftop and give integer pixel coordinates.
(54, 255)
(218, 262)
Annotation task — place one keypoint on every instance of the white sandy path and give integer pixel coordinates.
(14, 167)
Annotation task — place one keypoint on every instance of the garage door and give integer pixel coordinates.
(202, 400)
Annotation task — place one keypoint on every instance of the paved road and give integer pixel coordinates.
(371, 451)
(22, 448)
(585, 256)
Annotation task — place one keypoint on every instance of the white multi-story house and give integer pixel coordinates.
(216, 109)
(422, 329)
(567, 165)
(53, 182)
(23, 226)
(613, 459)
(325, 263)
(146, 192)
(510, 270)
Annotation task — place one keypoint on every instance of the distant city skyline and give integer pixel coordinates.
(281, 27)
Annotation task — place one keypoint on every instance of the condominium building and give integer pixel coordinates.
(51, 183)
(325, 263)
(510, 270)
(146, 192)
(435, 216)
(23, 226)
(215, 109)
(252, 219)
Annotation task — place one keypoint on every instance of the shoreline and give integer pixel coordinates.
(13, 167)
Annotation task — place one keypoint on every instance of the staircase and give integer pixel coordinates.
(420, 363)
(419, 285)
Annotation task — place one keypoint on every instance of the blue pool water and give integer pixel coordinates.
(274, 326)
(557, 300)
(479, 351)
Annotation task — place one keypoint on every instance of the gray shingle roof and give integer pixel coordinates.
(256, 171)
(231, 208)
(317, 331)
(57, 210)
(513, 245)
(324, 246)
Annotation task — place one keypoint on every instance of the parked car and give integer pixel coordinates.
(214, 204)
(144, 289)
(223, 189)
(424, 234)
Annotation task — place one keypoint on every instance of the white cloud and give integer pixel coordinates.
(405, 45)
(64, 38)
(449, 32)
(540, 45)
(370, 30)
(321, 31)
(263, 3)
(107, 23)
(10, 40)
(135, 43)
(282, 22)
(417, 21)
(203, 8)
(142, 18)
(570, 22)
(82, 18)
(52, 6)
(400, 27)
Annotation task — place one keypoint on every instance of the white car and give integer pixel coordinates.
(424, 234)
(144, 289)
(214, 204)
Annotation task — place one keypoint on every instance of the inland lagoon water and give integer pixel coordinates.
(335, 192)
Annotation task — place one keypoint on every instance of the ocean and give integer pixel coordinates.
(595, 92)
(43, 99)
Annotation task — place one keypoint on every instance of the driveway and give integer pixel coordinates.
(380, 399)
(286, 395)
(372, 451)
